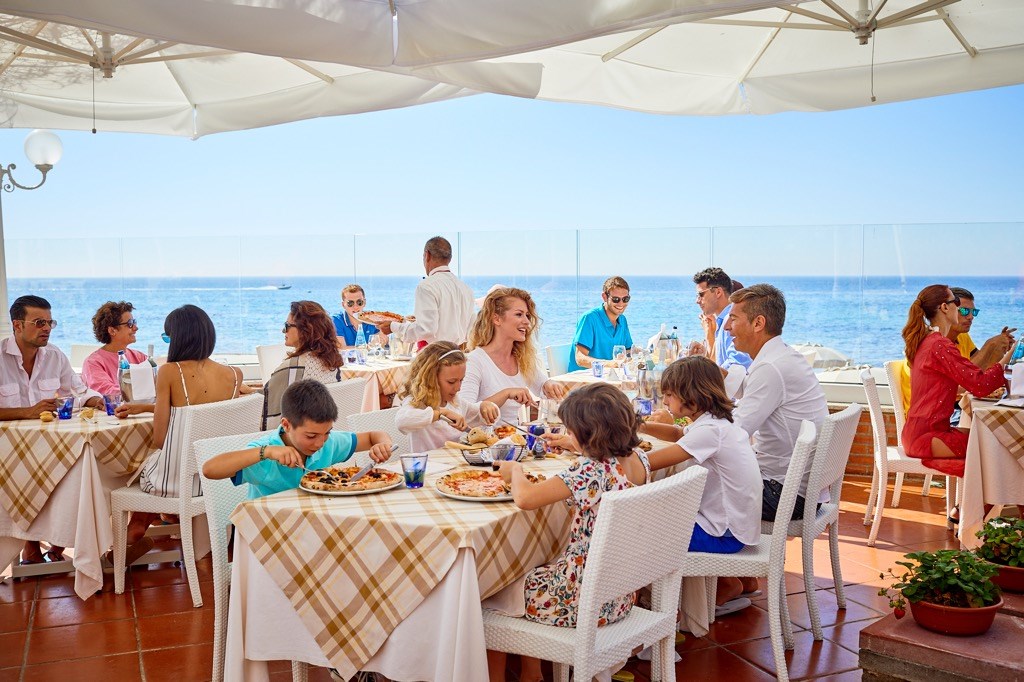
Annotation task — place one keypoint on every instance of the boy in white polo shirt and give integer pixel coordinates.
(729, 516)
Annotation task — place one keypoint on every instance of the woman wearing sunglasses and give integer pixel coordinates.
(353, 299)
(310, 334)
(115, 327)
(936, 370)
(602, 328)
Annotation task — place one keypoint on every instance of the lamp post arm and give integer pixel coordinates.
(8, 183)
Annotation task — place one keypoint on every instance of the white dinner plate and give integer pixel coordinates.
(465, 498)
(351, 493)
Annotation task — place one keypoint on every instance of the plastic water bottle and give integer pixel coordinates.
(124, 376)
(360, 337)
(1018, 352)
(674, 349)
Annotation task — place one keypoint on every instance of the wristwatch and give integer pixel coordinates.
(263, 450)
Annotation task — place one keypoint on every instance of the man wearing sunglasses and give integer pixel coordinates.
(603, 328)
(32, 374)
(714, 287)
(353, 300)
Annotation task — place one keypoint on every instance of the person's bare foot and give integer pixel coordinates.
(728, 589)
(750, 585)
(32, 554)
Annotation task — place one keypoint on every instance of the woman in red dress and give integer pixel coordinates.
(936, 370)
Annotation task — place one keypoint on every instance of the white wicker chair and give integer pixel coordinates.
(768, 558)
(348, 396)
(224, 418)
(558, 359)
(81, 351)
(888, 459)
(828, 464)
(379, 420)
(270, 358)
(628, 519)
(894, 374)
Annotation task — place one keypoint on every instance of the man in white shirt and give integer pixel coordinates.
(31, 375)
(444, 304)
(779, 391)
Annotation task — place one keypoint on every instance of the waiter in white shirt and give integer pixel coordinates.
(779, 391)
(31, 374)
(444, 303)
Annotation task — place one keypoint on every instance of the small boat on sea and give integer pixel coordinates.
(283, 287)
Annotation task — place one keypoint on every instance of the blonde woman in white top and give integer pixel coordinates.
(430, 411)
(503, 366)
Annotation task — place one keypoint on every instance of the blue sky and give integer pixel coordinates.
(504, 164)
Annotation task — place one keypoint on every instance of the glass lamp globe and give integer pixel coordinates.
(43, 148)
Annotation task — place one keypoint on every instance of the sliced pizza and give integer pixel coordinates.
(335, 479)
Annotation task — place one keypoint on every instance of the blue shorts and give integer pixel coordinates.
(701, 541)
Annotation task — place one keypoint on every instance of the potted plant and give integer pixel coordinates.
(1003, 544)
(949, 591)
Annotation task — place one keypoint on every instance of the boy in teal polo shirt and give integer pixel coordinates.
(274, 461)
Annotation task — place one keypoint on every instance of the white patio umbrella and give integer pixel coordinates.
(820, 356)
(816, 56)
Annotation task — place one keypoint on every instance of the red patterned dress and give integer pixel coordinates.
(937, 371)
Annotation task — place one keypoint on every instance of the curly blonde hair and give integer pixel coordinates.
(498, 303)
(422, 385)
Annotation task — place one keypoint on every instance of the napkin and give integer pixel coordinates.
(143, 386)
(1017, 379)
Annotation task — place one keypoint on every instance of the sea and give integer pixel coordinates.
(860, 317)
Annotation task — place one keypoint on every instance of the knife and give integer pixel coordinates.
(366, 469)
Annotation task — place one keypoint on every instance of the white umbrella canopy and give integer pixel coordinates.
(53, 76)
(797, 58)
(822, 357)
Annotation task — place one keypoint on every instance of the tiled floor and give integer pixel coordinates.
(153, 633)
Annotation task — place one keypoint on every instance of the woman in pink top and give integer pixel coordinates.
(114, 327)
(936, 370)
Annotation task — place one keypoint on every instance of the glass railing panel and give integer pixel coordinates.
(658, 264)
(541, 262)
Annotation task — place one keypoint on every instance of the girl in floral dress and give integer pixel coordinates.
(603, 423)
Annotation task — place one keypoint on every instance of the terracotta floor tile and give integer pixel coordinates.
(56, 586)
(164, 574)
(847, 634)
(750, 623)
(14, 617)
(12, 649)
(808, 659)
(848, 676)
(82, 641)
(179, 663)
(73, 610)
(866, 595)
(156, 601)
(176, 629)
(17, 590)
(692, 643)
(830, 613)
(716, 663)
(948, 542)
(123, 668)
(10, 674)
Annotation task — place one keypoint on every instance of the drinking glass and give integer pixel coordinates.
(373, 348)
(414, 469)
(110, 402)
(619, 355)
(65, 406)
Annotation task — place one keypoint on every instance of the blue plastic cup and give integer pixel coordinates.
(414, 469)
(65, 408)
(111, 401)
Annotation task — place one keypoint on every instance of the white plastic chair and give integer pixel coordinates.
(224, 418)
(828, 464)
(80, 351)
(894, 373)
(766, 559)
(628, 519)
(558, 359)
(379, 420)
(348, 396)
(888, 458)
(270, 358)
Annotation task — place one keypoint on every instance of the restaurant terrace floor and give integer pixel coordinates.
(153, 633)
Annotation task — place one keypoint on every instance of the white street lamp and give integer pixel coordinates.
(43, 149)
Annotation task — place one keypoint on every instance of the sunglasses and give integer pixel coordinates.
(41, 323)
(973, 312)
(955, 301)
(700, 294)
(619, 299)
(356, 302)
(287, 326)
(131, 323)
(166, 337)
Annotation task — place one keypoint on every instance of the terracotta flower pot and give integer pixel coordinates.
(954, 620)
(1010, 578)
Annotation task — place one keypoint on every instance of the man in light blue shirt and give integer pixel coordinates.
(713, 290)
(602, 328)
(273, 462)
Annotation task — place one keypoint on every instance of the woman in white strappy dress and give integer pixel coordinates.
(189, 377)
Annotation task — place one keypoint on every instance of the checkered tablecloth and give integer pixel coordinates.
(1007, 425)
(583, 377)
(384, 376)
(35, 456)
(354, 567)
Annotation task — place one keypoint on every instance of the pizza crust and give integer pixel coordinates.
(334, 479)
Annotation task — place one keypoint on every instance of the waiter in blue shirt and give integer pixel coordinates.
(352, 301)
(602, 328)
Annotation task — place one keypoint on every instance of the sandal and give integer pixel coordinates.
(731, 606)
(54, 555)
(134, 552)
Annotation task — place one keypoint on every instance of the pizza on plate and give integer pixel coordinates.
(335, 479)
(472, 484)
(379, 317)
